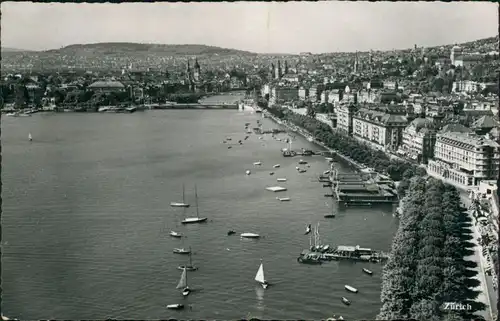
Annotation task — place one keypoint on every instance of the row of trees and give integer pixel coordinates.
(426, 268)
(358, 151)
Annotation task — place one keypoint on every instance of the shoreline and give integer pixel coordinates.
(302, 132)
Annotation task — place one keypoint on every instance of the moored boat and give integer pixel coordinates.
(183, 203)
(329, 215)
(345, 301)
(175, 234)
(351, 289)
(190, 266)
(181, 251)
(177, 306)
(197, 219)
(369, 272)
(283, 199)
(250, 235)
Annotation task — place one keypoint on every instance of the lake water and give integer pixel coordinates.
(86, 218)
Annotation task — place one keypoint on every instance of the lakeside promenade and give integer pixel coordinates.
(487, 294)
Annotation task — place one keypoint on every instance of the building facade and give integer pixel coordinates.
(345, 113)
(419, 138)
(383, 129)
(464, 159)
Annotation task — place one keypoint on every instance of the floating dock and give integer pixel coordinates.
(342, 252)
(362, 189)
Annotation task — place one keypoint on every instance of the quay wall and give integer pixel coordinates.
(305, 134)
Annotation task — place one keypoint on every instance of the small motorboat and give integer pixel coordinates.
(179, 204)
(345, 301)
(177, 306)
(369, 272)
(350, 289)
(283, 199)
(248, 172)
(181, 251)
(329, 159)
(302, 162)
(257, 163)
(175, 234)
(329, 216)
(302, 170)
(250, 235)
(231, 232)
(326, 172)
(186, 292)
(308, 229)
(223, 141)
(228, 138)
(276, 166)
(271, 173)
(229, 147)
(30, 137)
(281, 180)
(328, 195)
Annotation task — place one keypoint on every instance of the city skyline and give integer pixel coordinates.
(291, 27)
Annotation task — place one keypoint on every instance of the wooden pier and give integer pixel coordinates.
(352, 253)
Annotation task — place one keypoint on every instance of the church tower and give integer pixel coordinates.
(277, 73)
(356, 63)
(197, 70)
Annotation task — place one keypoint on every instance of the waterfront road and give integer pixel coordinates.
(487, 295)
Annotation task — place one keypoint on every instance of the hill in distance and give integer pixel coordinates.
(7, 49)
(126, 48)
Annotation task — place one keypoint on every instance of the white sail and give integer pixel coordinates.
(259, 277)
(183, 281)
(30, 137)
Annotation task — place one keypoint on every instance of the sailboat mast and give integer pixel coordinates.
(183, 194)
(190, 258)
(196, 196)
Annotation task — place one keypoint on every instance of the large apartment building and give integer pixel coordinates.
(419, 138)
(381, 128)
(465, 159)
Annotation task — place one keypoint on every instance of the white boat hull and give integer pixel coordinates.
(194, 220)
(351, 289)
(176, 204)
(175, 306)
(250, 235)
(175, 234)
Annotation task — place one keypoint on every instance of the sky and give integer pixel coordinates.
(272, 27)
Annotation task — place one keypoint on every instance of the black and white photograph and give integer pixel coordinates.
(329, 160)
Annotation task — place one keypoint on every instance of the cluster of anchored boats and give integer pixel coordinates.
(183, 282)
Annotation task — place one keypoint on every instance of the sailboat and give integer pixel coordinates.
(190, 266)
(197, 219)
(183, 204)
(308, 229)
(30, 137)
(183, 284)
(181, 250)
(259, 277)
(174, 233)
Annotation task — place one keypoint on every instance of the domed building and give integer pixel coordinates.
(419, 138)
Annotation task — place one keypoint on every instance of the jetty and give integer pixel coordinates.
(343, 252)
(362, 189)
